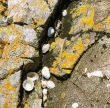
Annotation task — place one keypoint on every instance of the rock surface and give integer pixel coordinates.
(9, 91)
(78, 56)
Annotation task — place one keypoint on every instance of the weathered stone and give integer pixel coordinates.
(79, 31)
(15, 48)
(9, 91)
(87, 92)
(26, 11)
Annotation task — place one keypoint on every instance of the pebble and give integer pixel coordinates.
(45, 48)
(45, 72)
(64, 13)
(51, 31)
(75, 105)
(50, 84)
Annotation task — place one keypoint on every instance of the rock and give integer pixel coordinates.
(45, 48)
(87, 92)
(26, 11)
(9, 91)
(79, 32)
(15, 49)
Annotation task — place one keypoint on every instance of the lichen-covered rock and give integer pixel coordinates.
(79, 31)
(29, 10)
(88, 92)
(16, 47)
(9, 91)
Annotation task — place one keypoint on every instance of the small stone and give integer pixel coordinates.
(44, 84)
(50, 84)
(64, 13)
(44, 91)
(75, 105)
(45, 48)
(45, 72)
(28, 85)
(95, 73)
(51, 31)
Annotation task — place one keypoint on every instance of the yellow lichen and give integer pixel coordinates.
(96, 27)
(26, 106)
(67, 60)
(52, 46)
(63, 95)
(5, 105)
(108, 20)
(78, 46)
(87, 17)
(9, 93)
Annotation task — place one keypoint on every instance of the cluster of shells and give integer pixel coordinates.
(28, 84)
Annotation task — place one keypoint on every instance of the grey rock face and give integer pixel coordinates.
(9, 91)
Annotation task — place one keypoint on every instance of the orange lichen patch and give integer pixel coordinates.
(11, 71)
(108, 20)
(44, 7)
(57, 61)
(11, 30)
(74, 29)
(96, 27)
(54, 70)
(5, 105)
(50, 0)
(87, 12)
(9, 93)
(78, 46)
(88, 20)
(69, 59)
(66, 71)
(63, 95)
(42, 4)
(86, 40)
(67, 43)
(37, 97)
(52, 46)
(37, 22)
(1, 8)
(26, 106)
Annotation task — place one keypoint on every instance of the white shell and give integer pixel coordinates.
(75, 105)
(64, 13)
(44, 91)
(45, 72)
(50, 84)
(58, 24)
(51, 31)
(32, 76)
(45, 48)
(44, 84)
(28, 85)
